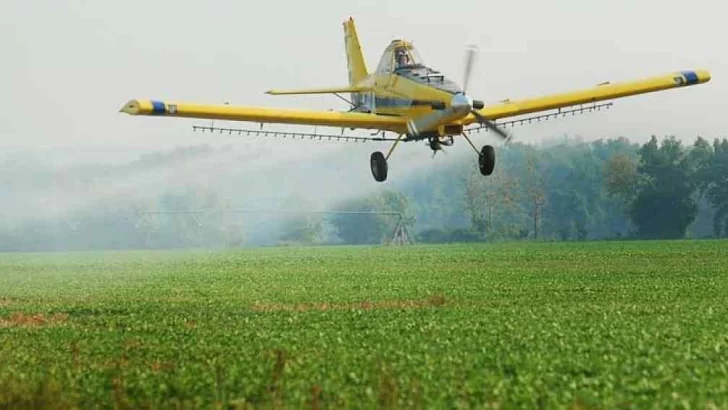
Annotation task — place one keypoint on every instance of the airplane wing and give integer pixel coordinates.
(266, 115)
(601, 92)
(332, 90)
(397, 124)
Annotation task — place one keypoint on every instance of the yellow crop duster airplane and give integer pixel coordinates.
(408, 98)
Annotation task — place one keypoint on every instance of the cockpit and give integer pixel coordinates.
(401, 58)
(400, 54)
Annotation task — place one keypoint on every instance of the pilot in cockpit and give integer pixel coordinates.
(402, 58)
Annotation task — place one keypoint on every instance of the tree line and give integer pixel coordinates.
(575, 190)
(564, 189)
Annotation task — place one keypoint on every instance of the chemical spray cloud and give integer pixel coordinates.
(257, 173)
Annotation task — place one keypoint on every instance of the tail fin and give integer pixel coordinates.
(354, 56)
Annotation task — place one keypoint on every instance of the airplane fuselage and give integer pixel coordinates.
(399, 96)
(409, 91)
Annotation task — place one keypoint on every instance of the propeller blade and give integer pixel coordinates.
(470, 54)
(490, 125)
(415, 126)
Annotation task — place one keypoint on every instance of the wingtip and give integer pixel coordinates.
(704, 76)
(131, 107)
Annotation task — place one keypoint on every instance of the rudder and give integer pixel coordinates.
(354, 57)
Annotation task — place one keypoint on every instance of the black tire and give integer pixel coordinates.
(379, 166)
(486, 160)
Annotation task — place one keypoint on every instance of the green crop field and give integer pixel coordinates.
(598, 324)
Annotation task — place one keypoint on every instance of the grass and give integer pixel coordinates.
(590, 325)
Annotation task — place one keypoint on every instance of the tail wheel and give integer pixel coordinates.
(486, 160)
(379, 166)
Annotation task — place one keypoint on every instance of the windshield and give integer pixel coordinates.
(415, 56)
(407, 56)
(385, 64)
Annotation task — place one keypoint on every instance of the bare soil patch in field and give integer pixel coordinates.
(32, 320)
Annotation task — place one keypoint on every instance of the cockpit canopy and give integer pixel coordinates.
(402, 59)
(399, 54)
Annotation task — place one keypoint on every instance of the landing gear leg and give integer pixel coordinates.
(486, 157)
(378, 162)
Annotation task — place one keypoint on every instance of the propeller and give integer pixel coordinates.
(460, 105)
(491, 125)
(470, 54)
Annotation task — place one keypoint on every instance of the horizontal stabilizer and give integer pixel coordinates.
(334, 90)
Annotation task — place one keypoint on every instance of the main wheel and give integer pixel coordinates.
(379, 166)
(486, 160)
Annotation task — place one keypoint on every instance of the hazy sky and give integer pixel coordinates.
(68, 66)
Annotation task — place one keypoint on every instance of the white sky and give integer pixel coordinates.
(68, 66)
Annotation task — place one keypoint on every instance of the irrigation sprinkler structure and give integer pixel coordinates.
(400, 235)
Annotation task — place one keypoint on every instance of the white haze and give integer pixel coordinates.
(69, 65)
(260, 174)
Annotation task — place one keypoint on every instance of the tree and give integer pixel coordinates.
(535, 190)
(303, 227)
(376, 227)
(664, 205)
(621, 177)
(715, 185)
(574, 192)
(489, 200)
